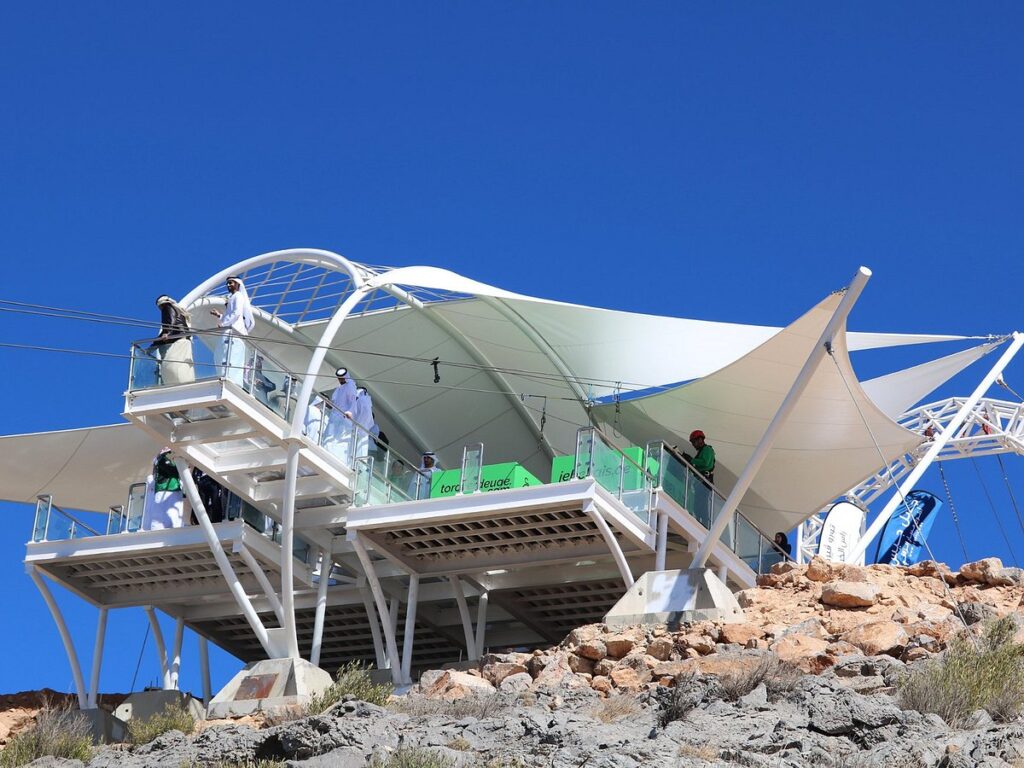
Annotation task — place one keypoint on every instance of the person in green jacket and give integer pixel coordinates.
(704, 462)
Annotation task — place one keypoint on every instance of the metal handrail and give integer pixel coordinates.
(611, 444)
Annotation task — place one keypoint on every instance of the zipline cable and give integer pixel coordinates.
(952, 512)
(995, 513)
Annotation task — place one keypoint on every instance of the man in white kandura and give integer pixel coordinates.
(338, 435)
(362, 415)
(235, 321)
(419, 486)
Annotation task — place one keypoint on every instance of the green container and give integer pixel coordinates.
(493, 477)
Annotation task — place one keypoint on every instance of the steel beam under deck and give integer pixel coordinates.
(514, 528)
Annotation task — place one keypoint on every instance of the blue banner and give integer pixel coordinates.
(906, 531)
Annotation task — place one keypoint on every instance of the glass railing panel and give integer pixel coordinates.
(269, 383)
(472, 468)
(770, 554)
(42, 518)
(60, 527)
(584, 453)
(363, 476)
(136, 507)
(747, 543)
(115, 520)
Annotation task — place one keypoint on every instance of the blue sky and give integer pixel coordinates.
(734, 162)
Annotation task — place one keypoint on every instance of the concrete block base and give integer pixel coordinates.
(106, 729)
(275, 686)
(674, 598)
(145, 704)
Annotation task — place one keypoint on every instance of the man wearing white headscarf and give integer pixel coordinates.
(362, 415)
(174, 344)
(419, 486)
(235, 321)
(338, 433)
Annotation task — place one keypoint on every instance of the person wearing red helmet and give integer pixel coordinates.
(704, 458)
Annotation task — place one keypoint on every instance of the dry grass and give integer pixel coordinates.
(676, 702)
(966, 678)
(615, 708)
(776, 675)
(354, 680)
(459, 744)
(173, 717)
(698, 752)
(479, 707)
(59, 731)
(412, 758)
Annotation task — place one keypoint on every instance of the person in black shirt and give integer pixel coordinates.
(174, 344)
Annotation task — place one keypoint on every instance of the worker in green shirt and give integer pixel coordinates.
(704, 460)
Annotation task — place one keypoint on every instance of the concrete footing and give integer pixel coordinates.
(144, 704)
(105, 728)
(674, 598)
(272, 686)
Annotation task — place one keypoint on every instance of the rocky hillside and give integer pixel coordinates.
(807, 680)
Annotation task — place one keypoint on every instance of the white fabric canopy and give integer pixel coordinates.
(823, 449)
(88, 469)
(894, 393)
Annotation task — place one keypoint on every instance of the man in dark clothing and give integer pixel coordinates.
(213, 496)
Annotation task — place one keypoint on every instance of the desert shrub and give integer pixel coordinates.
(967, 677)
(700, 752)
(255, 763)
(479, 707)
(173, 717)
(60, 732)
(674, 703)
(353, 679)
(615, 708)
(411, 757)
(776, 675)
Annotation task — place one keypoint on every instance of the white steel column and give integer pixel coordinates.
(410, 627)
(204, 670)
(65, 636)
(263, 581)
(481, 624)
(937, 445)
(467, 623)
(321, 605)
(291, 474)
(179, 635)
(612, 542)
(97, 658)
(382, 607)
(662, 542)
(378, 641)
(393, 617)
(161, 648)
(237, 591)
(760, 453)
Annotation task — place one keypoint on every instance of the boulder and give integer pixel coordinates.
(629, 679)
(581, 665)
(553, 672)
(496, 672)
(741, 633)
(819, 569)
(980, 570)
(661, 648)
(601, 684)
(878, 637)
(802, 651)
(453, 685)
(618, 645)
(849, 594)
(593, 649)
(516, 683)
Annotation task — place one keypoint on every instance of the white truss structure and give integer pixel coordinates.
(992, 427)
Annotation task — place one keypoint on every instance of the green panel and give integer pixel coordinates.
(561, 468)
(493, 477)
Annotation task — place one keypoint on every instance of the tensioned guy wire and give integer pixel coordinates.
(41, 310)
